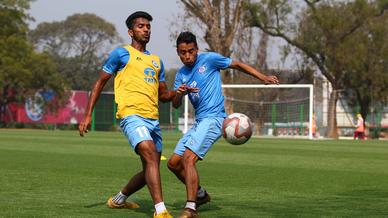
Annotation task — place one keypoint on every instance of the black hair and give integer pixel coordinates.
(186, 37)
(137, 14)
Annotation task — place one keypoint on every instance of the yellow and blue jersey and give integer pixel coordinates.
(136, 83)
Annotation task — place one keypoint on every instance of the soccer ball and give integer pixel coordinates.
(237, 128)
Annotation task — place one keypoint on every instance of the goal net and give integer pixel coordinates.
(275, 110)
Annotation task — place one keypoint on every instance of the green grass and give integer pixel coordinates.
(59, 174)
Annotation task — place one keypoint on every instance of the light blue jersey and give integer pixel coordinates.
(205, 75)
(208, 103)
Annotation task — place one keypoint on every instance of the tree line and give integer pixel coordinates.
(343, 41)
(54, 57)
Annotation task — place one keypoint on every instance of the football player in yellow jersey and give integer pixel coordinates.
(138, 85)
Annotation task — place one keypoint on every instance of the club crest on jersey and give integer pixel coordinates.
(149, 75)
(202, 69)
(155, 64)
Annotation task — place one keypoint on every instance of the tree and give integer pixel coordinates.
(14, 47)
(221, 20)
(319, 30)
(21, 68)
(78, 45)
(367, 66)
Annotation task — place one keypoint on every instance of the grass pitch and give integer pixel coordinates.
(59, 174)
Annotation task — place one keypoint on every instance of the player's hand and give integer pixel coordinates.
(181, 90)
(192, 89)
(84, 125)
(271, 80)
(184, 90)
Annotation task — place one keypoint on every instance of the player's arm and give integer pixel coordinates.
(253, 72)
(165, 95)
(96, 91)
(179, 93)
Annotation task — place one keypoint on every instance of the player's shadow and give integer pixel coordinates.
(212, 206)
(95, 205)
(147, 207)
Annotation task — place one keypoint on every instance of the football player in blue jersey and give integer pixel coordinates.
(200, 78)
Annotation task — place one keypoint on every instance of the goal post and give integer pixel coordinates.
(276, 110)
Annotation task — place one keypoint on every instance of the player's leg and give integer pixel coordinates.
(191, 178)
(175, 165)
(206, 133)
(358, 135)
(130, 126)
(362, 135)
(120, 199)
(136, 183)
(150, 159)
(145, 138)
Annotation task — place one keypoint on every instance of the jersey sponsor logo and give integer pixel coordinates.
(149, 75)
(155, 64)
(194, 95)
(202, 69)
(193, 84)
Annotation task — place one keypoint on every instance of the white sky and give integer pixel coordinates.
(115, 12)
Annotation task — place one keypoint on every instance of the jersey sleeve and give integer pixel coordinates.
(219, 61)
(161, 72)
(113, 63)
(178, 80)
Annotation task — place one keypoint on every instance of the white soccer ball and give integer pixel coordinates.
(237, 128)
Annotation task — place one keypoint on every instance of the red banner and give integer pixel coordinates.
(36, 109)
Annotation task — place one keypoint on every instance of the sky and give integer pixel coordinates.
(116, 12)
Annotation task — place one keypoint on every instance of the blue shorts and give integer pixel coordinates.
(201, 136)
(138, 129)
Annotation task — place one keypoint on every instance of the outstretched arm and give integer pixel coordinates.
(97, 88)
(253, 72)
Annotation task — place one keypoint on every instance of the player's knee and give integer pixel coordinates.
(172, 166)
(150, 161)
(146, 149)
(189, 160)
(175, 164)
(149, 156)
